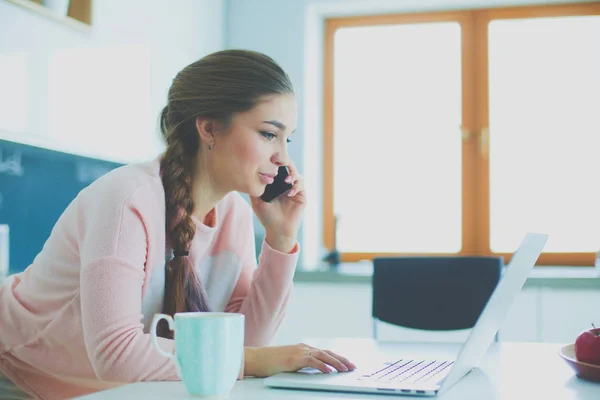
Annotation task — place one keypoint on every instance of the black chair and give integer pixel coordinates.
(433, 293)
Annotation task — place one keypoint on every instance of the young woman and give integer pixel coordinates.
(170, 235)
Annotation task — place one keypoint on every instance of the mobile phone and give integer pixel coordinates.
(278, 187)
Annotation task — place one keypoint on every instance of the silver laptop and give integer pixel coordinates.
(431, 377)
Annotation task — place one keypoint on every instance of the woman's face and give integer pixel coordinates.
(247, 156)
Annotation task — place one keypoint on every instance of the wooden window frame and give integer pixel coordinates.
(475, 120)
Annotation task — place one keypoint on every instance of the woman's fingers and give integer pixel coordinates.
(322, 360)
(296, 179)
(297, 188)
(350, 365)
(319, 359)
(298, 184)
(315, 363)
(329, 359)
(291, 167)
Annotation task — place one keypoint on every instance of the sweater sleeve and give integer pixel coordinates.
(113, 250)
(262, 292)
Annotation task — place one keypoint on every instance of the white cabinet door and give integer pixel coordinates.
(566, 313)
(522, 323)
(326, 310)
(344, 310)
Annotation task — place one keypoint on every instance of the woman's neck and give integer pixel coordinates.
(205, 192)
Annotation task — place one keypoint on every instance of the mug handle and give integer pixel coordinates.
(155, 320)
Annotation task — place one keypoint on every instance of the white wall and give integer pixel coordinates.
(99, 93)
(538, 314)
(291, 32)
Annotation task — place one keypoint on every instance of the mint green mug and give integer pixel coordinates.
(209, 350)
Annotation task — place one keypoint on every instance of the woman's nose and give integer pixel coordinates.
(281, 158)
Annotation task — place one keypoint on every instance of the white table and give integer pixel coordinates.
(509, 371)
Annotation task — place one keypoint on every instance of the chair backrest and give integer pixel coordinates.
(433, 293)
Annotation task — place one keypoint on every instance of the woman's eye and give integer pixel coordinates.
(269, 135)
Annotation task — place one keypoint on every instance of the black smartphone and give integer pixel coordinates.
(278, 187)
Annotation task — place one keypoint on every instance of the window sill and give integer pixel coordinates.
(562, 277)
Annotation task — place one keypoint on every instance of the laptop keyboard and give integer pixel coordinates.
(409, 371)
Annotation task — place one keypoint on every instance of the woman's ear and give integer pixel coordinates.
(207, 130)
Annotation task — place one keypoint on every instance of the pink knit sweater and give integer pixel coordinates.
(76, 320)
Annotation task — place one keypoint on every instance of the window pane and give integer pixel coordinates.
(397, 112)
(544, 81)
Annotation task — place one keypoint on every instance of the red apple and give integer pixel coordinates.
(587, 346)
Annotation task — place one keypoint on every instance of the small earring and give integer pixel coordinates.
(211, 145)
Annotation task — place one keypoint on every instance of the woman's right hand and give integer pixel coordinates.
(266, 361)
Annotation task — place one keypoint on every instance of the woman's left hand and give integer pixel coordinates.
(282, 216)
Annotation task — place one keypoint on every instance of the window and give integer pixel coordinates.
(458, 132)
